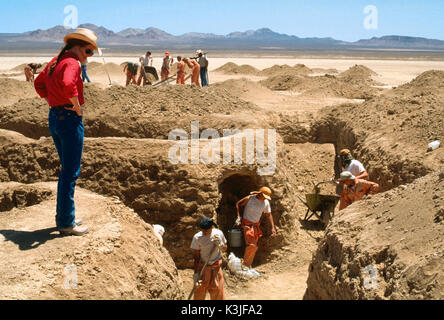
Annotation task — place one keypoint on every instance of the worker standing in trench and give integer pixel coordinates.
(351, 165)
(255, 204)
(60, 83)
(208, 245)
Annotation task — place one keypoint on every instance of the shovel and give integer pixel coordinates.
(196, 284)
(104, 66)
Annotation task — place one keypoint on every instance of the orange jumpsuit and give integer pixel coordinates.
(29, 73)
(252, 233)
(130, 76)
(195, 73)
(181, 72)
(212, 281)
(354, 193)
(165, 71)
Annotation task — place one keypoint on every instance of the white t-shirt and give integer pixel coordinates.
(205, 245)
(146, 61)
(255, 208)
(355, 167)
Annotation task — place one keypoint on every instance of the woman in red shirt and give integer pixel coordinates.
(61, 85)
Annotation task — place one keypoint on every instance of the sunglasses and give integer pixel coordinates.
(89, 52)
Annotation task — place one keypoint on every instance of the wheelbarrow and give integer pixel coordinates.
(321, 206)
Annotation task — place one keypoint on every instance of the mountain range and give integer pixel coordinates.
(263, 38)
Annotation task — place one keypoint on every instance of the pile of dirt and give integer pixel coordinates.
(359, 74)
(232, 68)
(12, 91)
(175, 196)
(387, 247)
(136, 112)
(390, 133)
(120, 258)
(297, 70)
(320, 86)
(98, 69)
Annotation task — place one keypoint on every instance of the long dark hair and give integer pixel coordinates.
(71, 44)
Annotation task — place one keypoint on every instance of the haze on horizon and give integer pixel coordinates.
(341, 20)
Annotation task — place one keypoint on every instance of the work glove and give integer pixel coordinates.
(238, 221)
(216, 239)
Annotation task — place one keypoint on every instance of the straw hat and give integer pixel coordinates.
(266, 192)
(83, 34)
(345, 152)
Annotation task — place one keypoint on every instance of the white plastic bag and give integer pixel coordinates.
(235, 266)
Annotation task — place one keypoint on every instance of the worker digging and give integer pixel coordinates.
(355, 189)
(31, 71)
(208, 245)
(131, 69)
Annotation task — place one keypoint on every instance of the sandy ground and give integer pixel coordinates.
(285, 277)
(391, 72)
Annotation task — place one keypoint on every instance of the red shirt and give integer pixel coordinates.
(64, 83)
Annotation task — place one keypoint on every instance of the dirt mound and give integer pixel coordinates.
(428, 83)
(120, 258)
(12, 91)
(232, 68)
(98, 69)
(299, 69)
(243, 88)
(359, 74)
(136, 112)
(320, 86)
(388, 247)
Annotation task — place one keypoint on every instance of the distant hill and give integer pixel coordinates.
(252, 39)
(401, 42)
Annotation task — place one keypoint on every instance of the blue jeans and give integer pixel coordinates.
(204, 77)
(84, 74)
(67, 131)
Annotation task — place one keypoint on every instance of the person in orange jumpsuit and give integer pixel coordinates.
(131, 71)
(180, 71)
(31, 70)
(355, 189)
(255, 205)
(165, 70)
(195, 67)
(208, 245)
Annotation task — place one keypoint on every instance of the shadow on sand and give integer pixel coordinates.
(28, 240)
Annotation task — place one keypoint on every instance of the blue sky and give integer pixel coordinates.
(341, 19)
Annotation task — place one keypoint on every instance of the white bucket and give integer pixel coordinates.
(235, 238)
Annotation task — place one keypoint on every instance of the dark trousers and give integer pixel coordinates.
(204, 76)
(67, 131)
